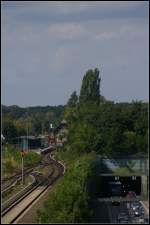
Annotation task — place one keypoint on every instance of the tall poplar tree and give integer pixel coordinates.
(73, 100)
(90, 89)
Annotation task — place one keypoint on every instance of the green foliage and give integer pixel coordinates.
(8, 128)
(16, 119)
(32, 158)
(122, 171)
(69, 202)
(72, 102)
(11, 159)
(111, 129)
(70, 114)
(90, 89)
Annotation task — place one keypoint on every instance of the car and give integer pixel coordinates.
(135, 205)
(137, 212)
(131, 194)
(142, 210)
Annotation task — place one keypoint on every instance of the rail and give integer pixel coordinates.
(46, 182)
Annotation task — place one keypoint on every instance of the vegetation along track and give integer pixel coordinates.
(17, 205)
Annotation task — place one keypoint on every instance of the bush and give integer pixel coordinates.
(11, 159)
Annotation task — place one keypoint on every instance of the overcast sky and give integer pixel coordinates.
(47, 47)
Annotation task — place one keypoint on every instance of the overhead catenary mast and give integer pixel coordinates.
(27, 146)
(24, 148)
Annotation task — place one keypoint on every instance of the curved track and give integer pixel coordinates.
(18, 174)
(12, 209)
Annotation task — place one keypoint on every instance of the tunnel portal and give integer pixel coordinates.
(120, 186)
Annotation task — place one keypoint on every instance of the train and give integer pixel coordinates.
(47, 150)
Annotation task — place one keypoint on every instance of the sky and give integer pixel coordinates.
(47, 47)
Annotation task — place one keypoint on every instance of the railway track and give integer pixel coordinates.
(13, 209)
(9, 183)
(17, 174)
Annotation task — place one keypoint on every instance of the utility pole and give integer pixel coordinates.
(22, 170)
(23, 152)
(22, 155)
(27, 130)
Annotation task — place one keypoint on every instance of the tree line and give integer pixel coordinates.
(16, 120)
(96, 124)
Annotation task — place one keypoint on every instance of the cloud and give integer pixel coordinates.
(62, 11)
(48, 47)
(129, 31)
(68, 31)
(105, 36)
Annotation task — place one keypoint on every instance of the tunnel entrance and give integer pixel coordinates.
(120, 186)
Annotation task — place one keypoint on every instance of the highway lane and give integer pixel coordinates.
(100, 212)
(114, 211)
(106, 212)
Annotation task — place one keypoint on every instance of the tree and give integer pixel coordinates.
(90, 89)
(73, 100)
(70, 113)
(8, 129)
(20, 127)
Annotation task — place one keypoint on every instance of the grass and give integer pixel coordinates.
(11, 160)
(122, 171)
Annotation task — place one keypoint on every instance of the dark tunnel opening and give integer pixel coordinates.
(120, 186)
